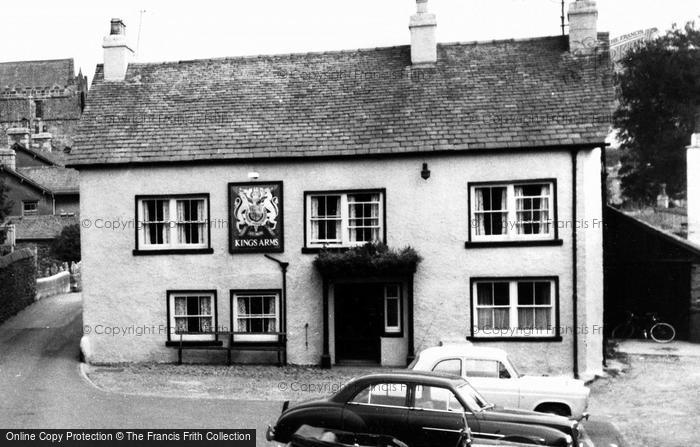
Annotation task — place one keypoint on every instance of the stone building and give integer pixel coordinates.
(484, 157)
(40, 106)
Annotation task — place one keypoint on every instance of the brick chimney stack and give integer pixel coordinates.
(693, 180)
(423, 40)
(117, 53)
(583, 27)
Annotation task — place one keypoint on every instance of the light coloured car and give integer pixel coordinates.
(491, 372)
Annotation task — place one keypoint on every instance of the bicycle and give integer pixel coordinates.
(650, 326)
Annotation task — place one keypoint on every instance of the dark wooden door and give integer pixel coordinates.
(359, 321)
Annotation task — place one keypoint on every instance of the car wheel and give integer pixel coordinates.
(558, 409)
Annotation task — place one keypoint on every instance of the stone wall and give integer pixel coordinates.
(53, 285)
(17, 282)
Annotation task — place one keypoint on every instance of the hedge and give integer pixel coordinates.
(17, 282)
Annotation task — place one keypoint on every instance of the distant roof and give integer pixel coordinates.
(685, 245)
(41, 227)
(57, 179)
(45, 73)
(24, 179)
(51, 158)
(509, 94)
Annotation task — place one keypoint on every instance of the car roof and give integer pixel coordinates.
(408, 376)
(463, 350)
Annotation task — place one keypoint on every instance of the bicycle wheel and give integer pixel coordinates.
(623, 330)
(662, 332)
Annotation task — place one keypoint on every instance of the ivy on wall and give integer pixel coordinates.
(367, 260)
(17, 282)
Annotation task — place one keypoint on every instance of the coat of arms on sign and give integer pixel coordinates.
(256, 217)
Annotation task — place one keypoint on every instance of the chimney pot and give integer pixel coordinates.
(583, 27)
(116, 52)
(117, 27)
(423, 26)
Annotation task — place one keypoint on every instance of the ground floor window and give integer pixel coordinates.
(256, 313)
(193, 312)
(30, 207)
(524, 307)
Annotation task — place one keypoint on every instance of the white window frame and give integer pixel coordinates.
(397, 298)
(344, 240)
(171, 223)
(173, 325)
(511, 233)
(513, 330)
(235, 315)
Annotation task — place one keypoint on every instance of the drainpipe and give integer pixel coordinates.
(604, 200)
(283, 317)
(574, 255)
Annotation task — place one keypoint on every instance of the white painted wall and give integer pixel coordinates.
(432, 216)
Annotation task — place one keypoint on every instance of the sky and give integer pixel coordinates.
(194, 29)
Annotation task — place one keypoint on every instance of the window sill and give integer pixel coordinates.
(174, 251)
(555, 338)
(392, 334)
(531, 243)
(176, 344)
(316, 250)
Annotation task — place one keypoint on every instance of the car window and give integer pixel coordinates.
(436, 398)
(450, 366)
(503, 371)
(391, 394)
(481, 368)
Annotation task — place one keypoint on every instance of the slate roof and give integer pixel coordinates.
(41, 227)
(55, 157)
(46, 73)
(55, 178)
(509, 94)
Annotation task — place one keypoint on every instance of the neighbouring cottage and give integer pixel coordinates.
(485, 158)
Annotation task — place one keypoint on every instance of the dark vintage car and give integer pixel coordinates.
(307, 436)
(424, 409)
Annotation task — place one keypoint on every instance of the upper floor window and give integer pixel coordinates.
(344, 219)
(178, 222)
(515, 211)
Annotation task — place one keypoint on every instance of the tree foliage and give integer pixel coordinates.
(658, 93)
(66, 247)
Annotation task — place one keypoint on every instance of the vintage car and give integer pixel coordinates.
(424, 410)
(307, 436)
(490, 371)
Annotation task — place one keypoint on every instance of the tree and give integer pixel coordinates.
(5, 207)
(658, 92)
(66, 247)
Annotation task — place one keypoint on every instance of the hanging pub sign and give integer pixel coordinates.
(255, 217)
